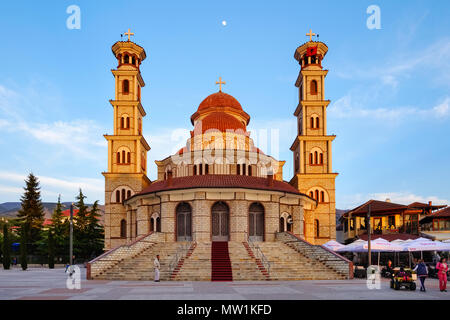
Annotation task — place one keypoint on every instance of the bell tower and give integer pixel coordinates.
(311, 149)
(127, 148)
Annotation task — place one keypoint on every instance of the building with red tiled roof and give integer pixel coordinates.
(388, 220)
(220, 185)
(437, 225)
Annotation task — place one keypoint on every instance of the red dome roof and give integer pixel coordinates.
(219, 99)
(219, 121)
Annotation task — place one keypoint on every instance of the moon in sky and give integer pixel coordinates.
(224, 23)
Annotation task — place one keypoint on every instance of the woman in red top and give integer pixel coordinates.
(442, 268)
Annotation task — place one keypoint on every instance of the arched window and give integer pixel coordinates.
(128, 194)
(317, 123)
(158, 224)
(128, 123)
(317, 195)
(206, 168)
(152, 224)
(123, 228)
(118, 157)
(311, 194)
(321, 158)
(125, 87)
(249, 170)
(122, 123)
(123, 195)
(317, 228)
(316, 157)
(313, 87)
(282, 224)
(312, 122)
(128, 157)
(322, 196)
(123, 156)
(195, 169)
(200, 167)
(238, 169)
(126, 59)
(243, 169)
(117, 196)
(133, 60)
(311, 158)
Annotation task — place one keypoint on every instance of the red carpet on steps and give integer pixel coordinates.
(220, 262)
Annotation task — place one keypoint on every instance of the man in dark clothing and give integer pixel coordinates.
(422, 273)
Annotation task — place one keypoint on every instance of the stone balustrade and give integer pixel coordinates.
(318, 253)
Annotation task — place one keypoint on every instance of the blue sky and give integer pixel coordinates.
(389, 88)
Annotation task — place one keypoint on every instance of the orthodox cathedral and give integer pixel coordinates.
(220, 186)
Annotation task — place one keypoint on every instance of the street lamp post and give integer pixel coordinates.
(369, 249)
(71, 235)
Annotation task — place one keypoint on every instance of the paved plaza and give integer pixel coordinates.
(46, 284)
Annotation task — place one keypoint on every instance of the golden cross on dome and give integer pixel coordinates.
(129, 34)
(310, 34)
(220, 83)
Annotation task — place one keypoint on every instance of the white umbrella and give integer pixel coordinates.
(333, 245)
(356, 246)
(382, 245)
(425, 245)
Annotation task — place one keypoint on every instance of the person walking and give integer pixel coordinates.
(157, 266)
(422, 273)
(442, 268)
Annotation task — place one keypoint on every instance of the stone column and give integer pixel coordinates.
(239, 218)
(142, 217)
(168, 218)
(201, 218)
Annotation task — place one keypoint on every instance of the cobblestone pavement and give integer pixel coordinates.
(46, 284)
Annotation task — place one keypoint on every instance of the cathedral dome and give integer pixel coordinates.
(219, 100)
(223, 103)
(219, 121)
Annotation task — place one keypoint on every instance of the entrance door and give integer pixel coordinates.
(220, 222)
(256, 222)
(184, 215)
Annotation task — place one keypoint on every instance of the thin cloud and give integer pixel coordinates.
(68, 187)
(351, 106)
(77, 137)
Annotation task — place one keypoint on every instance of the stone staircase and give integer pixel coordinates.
(289, 264)
(318, 253)
(197, 267)
(141, 267)
(290, 258)
(244, 266)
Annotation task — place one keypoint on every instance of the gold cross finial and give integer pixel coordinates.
(220, 83)
(129, 34)
(310, 34)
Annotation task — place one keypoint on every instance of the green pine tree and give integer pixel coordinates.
(95, 231)
(60, 229)
(24, 231)
(6, 248)
(32, 210)
(81, 241)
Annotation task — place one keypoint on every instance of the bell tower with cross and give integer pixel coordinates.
(127, 147)
(312, 148)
